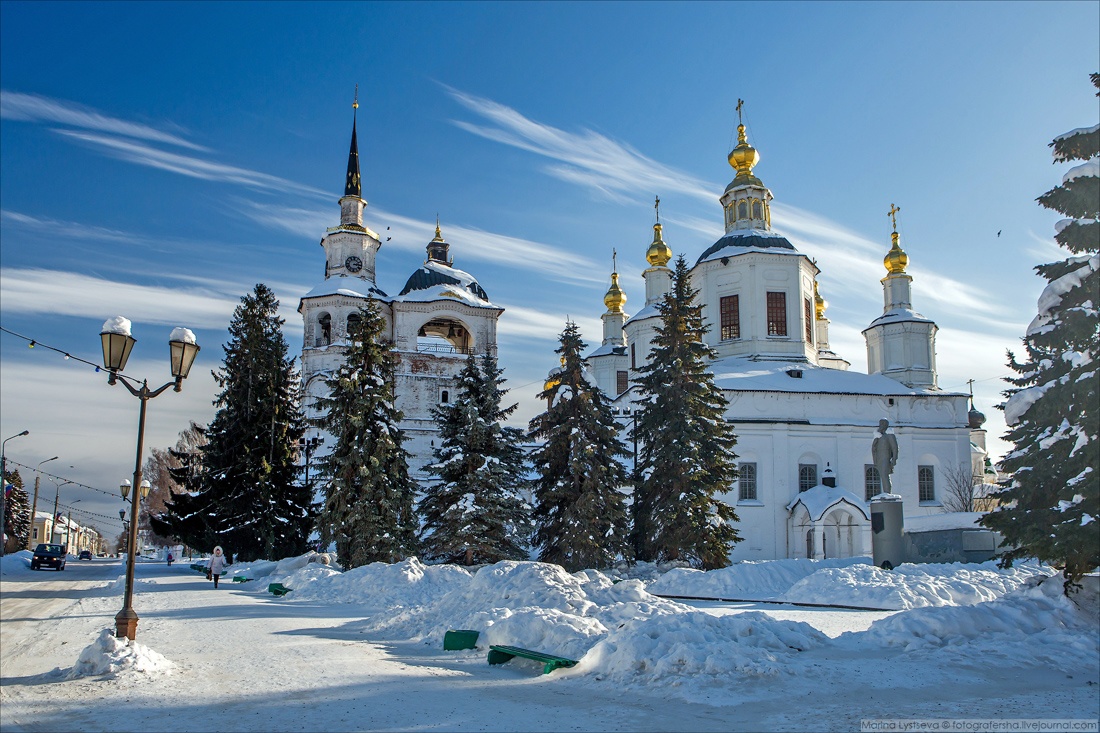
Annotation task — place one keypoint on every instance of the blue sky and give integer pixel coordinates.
(157, 160)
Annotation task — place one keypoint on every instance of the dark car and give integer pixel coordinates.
(51, 556)
(85, 555)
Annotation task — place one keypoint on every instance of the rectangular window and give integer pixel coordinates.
(807, 476)
(926, 483)
(36, 532)
(620, 381)
(809, 308)
(633, 364)
(730, 317)
(746, 482)
(872, 483)
(777, 314)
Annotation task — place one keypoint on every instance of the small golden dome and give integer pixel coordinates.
(743, 158)
(615, 298)
(658, 253)
(820, 304)
(896, 259)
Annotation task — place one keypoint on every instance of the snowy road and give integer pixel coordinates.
(245, 661)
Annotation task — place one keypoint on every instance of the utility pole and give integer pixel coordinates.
(34, 504)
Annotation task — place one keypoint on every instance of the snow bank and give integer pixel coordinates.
(1037, 623)
(913, 586)
(528, 604)
(675, 650)
(112, 656)
(381, 585)
(765, 579)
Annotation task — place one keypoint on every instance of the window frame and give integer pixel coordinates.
(808, 309)
(747, 481)
(622, 381)
(729, 317)
(803, 468)
(926, 487)
(776, 310)
(871, 478)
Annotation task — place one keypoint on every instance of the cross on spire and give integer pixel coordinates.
(740, 104)
(657, 207)
(355, 104)
(614, 260)
(893, 215)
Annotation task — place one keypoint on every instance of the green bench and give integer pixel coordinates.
(278, 589)
(198, 568)
(241, 579)
(501, 654)
(458, 639)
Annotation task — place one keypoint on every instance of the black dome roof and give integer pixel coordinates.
(745, 240)
(427, 277)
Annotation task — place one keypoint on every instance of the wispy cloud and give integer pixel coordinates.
(68, 229)
(33, 108)
(207, 304)
(412, 235)
(531, 323)
(585, 158)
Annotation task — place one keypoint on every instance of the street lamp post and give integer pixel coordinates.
(34, 504)
(117, 345)
(4, 484)
(69, 528)
(53, 521)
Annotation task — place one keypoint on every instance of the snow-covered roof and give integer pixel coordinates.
(747, 240)
(745, 374)
(356, 287)
(437, 281)
(606, 349)
(899, 315)
(650, 311)
(820, 499)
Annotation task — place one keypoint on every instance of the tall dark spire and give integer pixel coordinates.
(353, 186)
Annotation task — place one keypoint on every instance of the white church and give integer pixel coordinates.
(441, 316)
(804, 422)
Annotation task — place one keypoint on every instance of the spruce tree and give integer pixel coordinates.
(686, 456)
(248, 498)
(368, 499)
(17, 512)
(1050, 509)
(475, 513)
(580, 512)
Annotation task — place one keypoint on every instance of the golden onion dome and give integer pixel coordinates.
(615, 298)
(658, 253)
(743, 158)
(896, 259)
(820, 304)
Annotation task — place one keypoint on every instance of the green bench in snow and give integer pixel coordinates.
(501, 654)
(278, 589)
(240, 579)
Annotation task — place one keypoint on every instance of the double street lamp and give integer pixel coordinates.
(117, 345)
(4, 484)
(53, 521)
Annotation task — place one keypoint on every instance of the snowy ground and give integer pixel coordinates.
(363, 650)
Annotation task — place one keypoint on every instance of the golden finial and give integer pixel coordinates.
(438, 234)
(820, 304)
(658, 253)
(615, 297)
(744, 156)
(355, 104)
(896, 259)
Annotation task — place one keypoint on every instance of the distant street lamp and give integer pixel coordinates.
(34, 504)
(117, 345)
(4, 484)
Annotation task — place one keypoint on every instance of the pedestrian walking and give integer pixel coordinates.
(217, 565)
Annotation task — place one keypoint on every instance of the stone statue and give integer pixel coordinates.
(884, 452)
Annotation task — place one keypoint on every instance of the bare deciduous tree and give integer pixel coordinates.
(958, 495)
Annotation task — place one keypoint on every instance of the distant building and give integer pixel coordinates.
(804, 421)
(440, 316)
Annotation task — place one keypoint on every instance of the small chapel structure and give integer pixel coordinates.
(440, 317)
(805, 422)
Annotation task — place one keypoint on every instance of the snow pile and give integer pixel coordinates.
(1037, 623)
(119, 583)
(677, 649)
(751, 580)
(912, 586)
(112, 656)
(531, 605)
(409, 583)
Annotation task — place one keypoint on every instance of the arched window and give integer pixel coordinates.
(353, 324)
(444, 397)
(324, 335)
(743, 210)
(757, 209)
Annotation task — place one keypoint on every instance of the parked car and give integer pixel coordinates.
(49, 555)
(85, 555)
